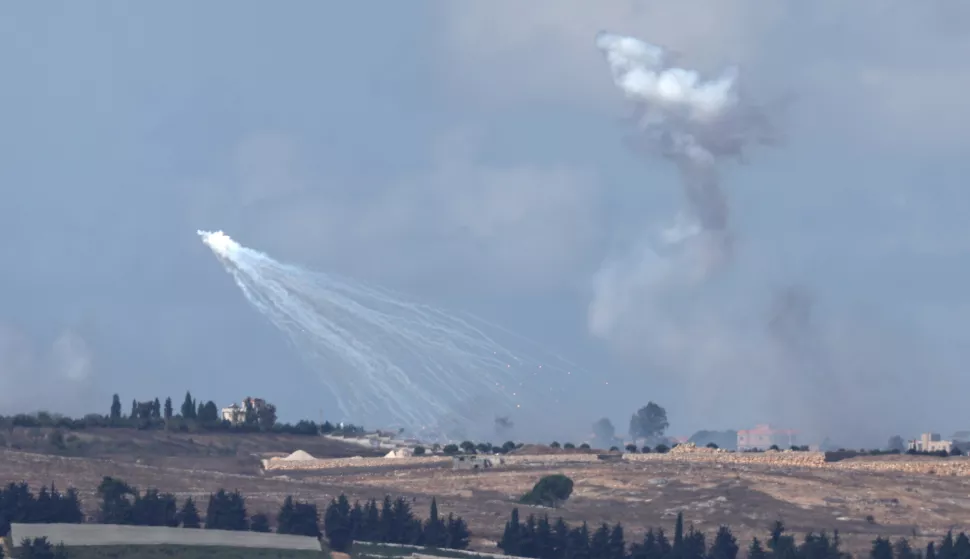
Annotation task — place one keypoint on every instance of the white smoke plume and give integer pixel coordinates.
(694, 121)
(391, 361)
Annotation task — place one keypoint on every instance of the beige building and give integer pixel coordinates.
(764, 436)
(930, 442)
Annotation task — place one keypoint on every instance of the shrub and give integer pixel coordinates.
(549, 491)
(419, 450)
(661, 449)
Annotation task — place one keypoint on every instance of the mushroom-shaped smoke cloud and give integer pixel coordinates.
(691, 120)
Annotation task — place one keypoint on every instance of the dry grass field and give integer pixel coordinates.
(860, 504)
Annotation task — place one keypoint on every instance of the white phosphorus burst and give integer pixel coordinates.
(384, 358)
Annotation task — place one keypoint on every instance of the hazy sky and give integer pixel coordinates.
(472, 153)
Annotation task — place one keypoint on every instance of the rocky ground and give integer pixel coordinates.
(862, 498)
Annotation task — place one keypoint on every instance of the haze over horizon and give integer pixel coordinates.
(475, 155)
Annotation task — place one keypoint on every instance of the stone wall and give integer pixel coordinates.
(952, 466)
(354, 462)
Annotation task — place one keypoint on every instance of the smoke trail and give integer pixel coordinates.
(385, 358)
(692, 121)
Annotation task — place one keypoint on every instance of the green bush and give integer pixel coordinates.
(549, 491)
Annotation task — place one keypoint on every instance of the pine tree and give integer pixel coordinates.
(188, 407)
(435, 534)
(511, 542)
(560, 538)
(946, 550)
(694, 544)
(387, 520)
(284, 519)
(930, 551)
(616, 548)
(756, 551)
(259, 523)
(678, 547)
(881, 549)
(189, 515)
(372, 522)
(134, 410)
(336, 525)
(156, 409)
(599, 544)
(168, 409)
(544, 542)
(961, 547)
(458, 535)
(528, 543)
(725, 545)
(902, 550)
(115, 408)
(356, 521)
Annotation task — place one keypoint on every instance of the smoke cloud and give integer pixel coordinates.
(38, 378)
(669, 302)
(693, 121)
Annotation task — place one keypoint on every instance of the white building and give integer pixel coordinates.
(930, 442)
(234, 414)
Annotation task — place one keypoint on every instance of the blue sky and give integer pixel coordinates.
(472, 154)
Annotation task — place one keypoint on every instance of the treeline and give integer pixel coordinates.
(538, 538)
(191, 416)
(391, 522)
(120, 503)
(19, 504)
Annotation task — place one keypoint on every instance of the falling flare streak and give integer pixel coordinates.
(382, 357)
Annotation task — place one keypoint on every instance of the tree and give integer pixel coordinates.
(156, 409)
(336, 525)
(450, 449)
(208, 412)
(756, 551)
(188, 407)
(134, 410)
(249, 417)
(40, 548)
(434, 534)
(226, 511)
(115, 506)
(550, 491)
(599, 544)
(616, 547)
(604, 431)
(458, 535)
(168, 409)
(649, 422)
(419, 451)
(259, 523)
(725, 545)
(189, 515)
(266, 416)
(902, 550)
(631, 448)
(115, 407)
(467, 447)
(881, 549)
(511, 542)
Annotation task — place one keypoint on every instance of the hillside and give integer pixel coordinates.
(220, 451)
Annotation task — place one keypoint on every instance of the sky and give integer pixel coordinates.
(473, 155)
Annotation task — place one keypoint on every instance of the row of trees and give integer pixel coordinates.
(391, 522)
(121, 503)
(19, 504)
(540, 539)
(192, 415)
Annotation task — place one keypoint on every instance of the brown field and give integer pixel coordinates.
(860, 504)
